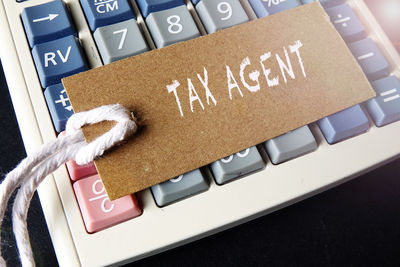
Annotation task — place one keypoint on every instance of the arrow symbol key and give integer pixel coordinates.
(50, 17)
(47, 22)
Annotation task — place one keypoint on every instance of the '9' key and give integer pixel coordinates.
(97, 210)
(220, 14)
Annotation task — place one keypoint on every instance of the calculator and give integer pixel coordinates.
(47, 40)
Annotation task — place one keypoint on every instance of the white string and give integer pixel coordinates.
(32, 170)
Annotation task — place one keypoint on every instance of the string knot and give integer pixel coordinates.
(34, 168)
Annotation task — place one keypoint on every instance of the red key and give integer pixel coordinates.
(76, 171)
(97, 210)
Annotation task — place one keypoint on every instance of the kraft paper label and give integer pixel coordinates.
(204, 99)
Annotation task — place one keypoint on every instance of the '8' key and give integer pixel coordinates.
(171, 26)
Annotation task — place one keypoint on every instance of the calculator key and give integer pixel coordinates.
(149, 6)
(195, 2)
(221, 14)
(59, 106)
(236, 165)
(291, 145)
(344, 124)
(264, 8)
(46, 22)
(325, 3)
(385, 108)
(105, 12)
(346, 23)
(180, 187)
(119, 40)
(171, 26)
(77, 172)
(370, 58)
(57, 59)
(97, 210)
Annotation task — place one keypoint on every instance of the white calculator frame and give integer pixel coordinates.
(220, 207)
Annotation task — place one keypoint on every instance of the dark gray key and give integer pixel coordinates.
(220, 14)
(171, 26)
(370, 58)
(385, 108)
(344, 124)
(325, 3)
(180, 187)
(119, 40)
(236, 165)
(346, 23)
(290, 145)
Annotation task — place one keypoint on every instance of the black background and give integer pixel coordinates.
(357, 223)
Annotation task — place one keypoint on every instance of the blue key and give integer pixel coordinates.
(370, 59)
(46, 22)
(58, 59)
(59, 106)
(346, 23)
(263, 8)
(344, 124)
(385, 108)
(105, 12)
(325, 3)
(149, 6)
(195, 2)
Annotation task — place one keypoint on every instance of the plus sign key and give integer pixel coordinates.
(105, 12)
(59, 106)
(46, 22)
(97, 210)
(57, 59)
(346, 23)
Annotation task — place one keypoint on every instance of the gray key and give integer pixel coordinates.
(171, 26)
(236, 165)
(370, 59)
(180, 187)
(221, 14)
(119, 40)
(346, 23)
(325, 3)
(344, 124)
(385, 108)
(291, 145)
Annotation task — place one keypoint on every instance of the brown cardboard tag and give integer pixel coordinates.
(210, 97)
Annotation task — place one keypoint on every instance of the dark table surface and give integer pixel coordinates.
(357, 223)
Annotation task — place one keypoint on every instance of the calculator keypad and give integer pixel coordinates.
(385, 108)
(57, 54)
(370, 58)
(171, 26)
(346, 23)
(98, 211)
(59, 106)
(149, 6)
(269, 7)
(291, 145)
(344, 124)
(180, 187)
(119, 40)
(237, 165)
(220, 14)
(105, 12)
(57, 59)
(46, 22)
